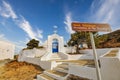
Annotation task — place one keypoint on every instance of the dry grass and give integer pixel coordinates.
(19, 71)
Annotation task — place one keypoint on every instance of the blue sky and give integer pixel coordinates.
(22, 20)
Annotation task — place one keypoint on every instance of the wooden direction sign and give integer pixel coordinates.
(93, 27)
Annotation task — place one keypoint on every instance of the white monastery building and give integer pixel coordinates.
(53, 58)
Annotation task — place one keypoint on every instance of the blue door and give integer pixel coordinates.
(55, 46)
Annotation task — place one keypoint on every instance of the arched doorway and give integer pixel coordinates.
(55, 46)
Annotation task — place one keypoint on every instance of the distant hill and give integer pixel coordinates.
(110, 40)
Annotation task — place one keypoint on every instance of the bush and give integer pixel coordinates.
(32, 44)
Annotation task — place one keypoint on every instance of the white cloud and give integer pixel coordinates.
(67, 22)
(22, 42)
(39, 33)
(55, 27)
(2, 36)
(25, 25)
(7, 11)
(106, 11)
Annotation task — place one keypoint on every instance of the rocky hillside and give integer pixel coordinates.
(110, 40)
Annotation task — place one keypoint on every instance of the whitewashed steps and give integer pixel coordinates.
(56, 74)
(63, 65)
(45, 77)
(62, 68)
(55, 56)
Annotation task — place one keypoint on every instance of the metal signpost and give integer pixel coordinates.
(92, 27)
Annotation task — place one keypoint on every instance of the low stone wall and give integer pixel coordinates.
(89, 53)
(33, 52)
(69, 49)
(75, 57)
(46, 56)
(63, 55)
(32, 60)
(99, 51)
(43, 64)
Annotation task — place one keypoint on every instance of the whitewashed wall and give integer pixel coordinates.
(110, 67)
(43, 64)
(28, 53)
(64, 56)
(33, 52)
(6, 50)
(83, 71)
(46, 56)
(69, 49)
(75, 57)
(89, 53)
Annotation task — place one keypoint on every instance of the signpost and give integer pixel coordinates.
(92, 27)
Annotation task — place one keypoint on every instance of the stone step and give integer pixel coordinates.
(65, 68)
(63, 65)
(55, 56)
(60, 69)
(45, 77)
(56, 74)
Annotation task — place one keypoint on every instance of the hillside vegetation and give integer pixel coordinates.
(110, 40)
